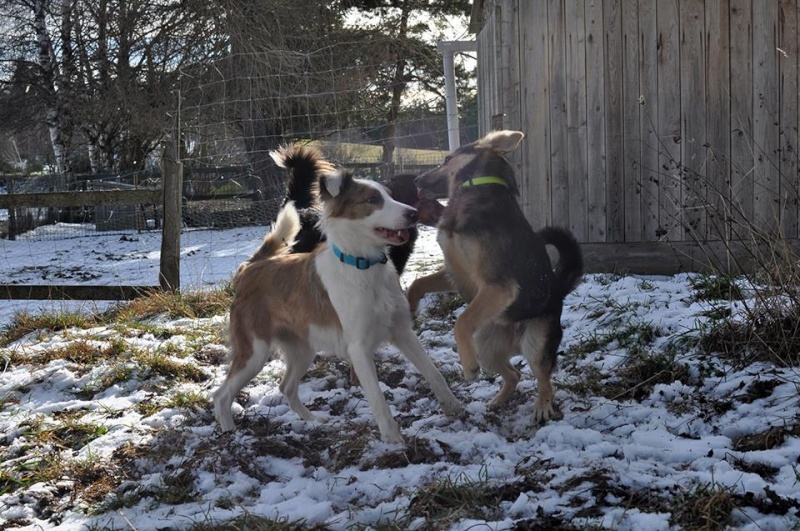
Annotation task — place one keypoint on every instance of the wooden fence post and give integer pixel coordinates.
(12, 213)
(172, 178)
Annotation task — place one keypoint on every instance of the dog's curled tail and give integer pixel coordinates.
(569, 269)
(281, 238)
(305, 164)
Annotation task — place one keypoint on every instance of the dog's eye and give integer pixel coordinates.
(447, 159)
(373, 200)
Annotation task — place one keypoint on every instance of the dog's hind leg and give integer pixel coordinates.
(495, 344)
(362, 358)
(297, 355)
(488, 303)
(242, 370)
(539, 344)
(408, 343)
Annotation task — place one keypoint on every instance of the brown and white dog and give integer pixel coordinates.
(306, 165)
(500, 266)
(342, 297)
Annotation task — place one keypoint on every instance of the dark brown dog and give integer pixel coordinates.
(500, 266)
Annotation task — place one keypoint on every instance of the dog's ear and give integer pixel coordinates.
(500, 141)
(333, 183)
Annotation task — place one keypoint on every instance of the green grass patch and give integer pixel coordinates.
(161, 364)
(35, 468)
(765, 334)
(252, 523)
(188, 400)
(634, 379)
(767, 439)
(193, 304)
(86, 352)
(452, 499)
(635, 337)
(69, 431)
(178, 488)
(444, 306)
(41, 459)
(639, 375)
(710, 287)
(707, 507)
(25, 323)
(114, 374)
(75, 435)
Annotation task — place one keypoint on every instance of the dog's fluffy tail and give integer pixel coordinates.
(569, 269)
(305, 164)
(281, 238)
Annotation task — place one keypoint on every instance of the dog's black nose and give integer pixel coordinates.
(412, 215)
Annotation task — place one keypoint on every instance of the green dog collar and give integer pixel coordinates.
(477, 181)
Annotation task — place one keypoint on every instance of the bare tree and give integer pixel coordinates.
(293, 72)
(311, 70)
(106, 71)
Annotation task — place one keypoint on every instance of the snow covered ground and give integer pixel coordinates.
(696, 442)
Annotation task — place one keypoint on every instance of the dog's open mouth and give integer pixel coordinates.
(392, 236)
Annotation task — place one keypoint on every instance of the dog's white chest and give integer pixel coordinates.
(366, 301)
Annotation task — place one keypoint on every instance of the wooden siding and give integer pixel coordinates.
(648, 120)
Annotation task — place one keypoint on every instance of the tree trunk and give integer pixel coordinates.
(55, 115)
(398, 87)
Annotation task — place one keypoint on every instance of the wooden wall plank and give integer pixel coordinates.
(513, 103)
(766, 111)
(535, 111)
(667, 258)
(487, 73)
(506, 68)
(576, 117)
(693, 119)
(632, 140)
(597, 199)
(615, 119)
(765, 116)
(718, 117)
(559, 172)
(670, 217)
(648, 120)
(789, 65)
(741, 88)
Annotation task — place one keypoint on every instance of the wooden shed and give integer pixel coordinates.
(663, 133)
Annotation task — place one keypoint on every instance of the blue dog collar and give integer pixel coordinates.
(359, 262)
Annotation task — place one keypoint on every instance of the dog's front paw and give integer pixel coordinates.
(452, 408)
(305, 414)
(544, 411)
(394, 437)
(471, 373)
